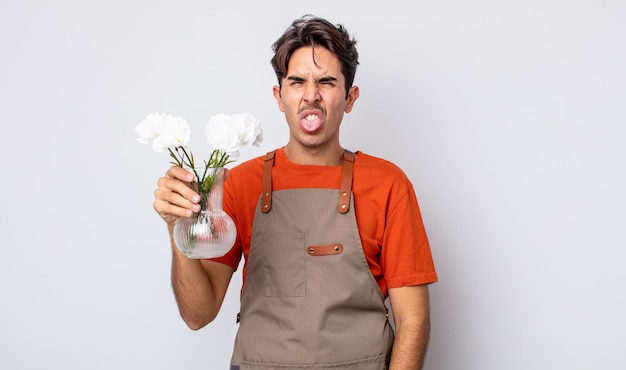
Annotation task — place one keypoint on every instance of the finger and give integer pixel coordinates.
(169, 211)
(177, 172)
(178, 193)
(170, 205)
(168, 185)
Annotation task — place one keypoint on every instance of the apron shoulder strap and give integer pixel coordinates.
(266, 203)
(346, 182)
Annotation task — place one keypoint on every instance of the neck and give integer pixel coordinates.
(315, 156)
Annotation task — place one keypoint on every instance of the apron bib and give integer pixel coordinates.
(309, 300)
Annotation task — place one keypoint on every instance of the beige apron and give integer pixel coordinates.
(310, 300)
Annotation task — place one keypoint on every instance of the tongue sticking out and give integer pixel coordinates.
(311, 123)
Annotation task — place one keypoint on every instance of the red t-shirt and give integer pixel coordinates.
(387, 213)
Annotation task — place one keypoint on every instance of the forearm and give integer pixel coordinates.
(411, 313)
(192, 291)
(199, 295)
(411, 342)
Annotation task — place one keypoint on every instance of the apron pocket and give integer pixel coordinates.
(283, 264)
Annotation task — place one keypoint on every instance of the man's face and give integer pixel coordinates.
(313, 98)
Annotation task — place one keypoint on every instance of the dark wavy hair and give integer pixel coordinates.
(314, 31)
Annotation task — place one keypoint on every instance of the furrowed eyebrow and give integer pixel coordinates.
(295, 78)
(327, 79)
(320, 80)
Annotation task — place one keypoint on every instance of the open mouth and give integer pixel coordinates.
(311, 121)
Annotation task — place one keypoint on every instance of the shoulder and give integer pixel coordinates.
(245, 177)
(250, 168)
(380, 179)
(378, 170)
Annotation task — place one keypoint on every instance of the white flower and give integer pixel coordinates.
(230, 132)
(225, 133)
(250, 132)
(164, 131)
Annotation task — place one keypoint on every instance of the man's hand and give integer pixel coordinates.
(173, 197)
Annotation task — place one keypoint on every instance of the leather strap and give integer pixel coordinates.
(324, 250)
(266, 203)
(346, 182)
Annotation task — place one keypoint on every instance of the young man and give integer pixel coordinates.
(326, 234)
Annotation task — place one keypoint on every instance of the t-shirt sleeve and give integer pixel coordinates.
(406, 258)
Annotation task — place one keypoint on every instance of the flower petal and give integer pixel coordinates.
(164, 131)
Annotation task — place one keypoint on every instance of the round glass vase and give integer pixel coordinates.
(211, 232)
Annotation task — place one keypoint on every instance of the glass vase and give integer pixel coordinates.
(211, 232)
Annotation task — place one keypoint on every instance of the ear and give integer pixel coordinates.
(353, 95)
(276, 91)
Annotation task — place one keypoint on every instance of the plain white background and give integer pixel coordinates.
(508, 116)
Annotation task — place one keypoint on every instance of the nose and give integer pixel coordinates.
(312, 94)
